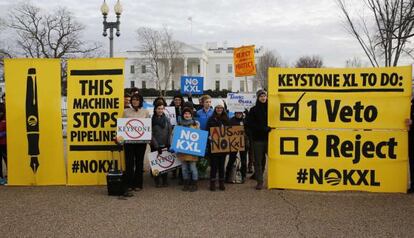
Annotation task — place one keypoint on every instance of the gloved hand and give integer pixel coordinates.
(159, 151)
(171, 150)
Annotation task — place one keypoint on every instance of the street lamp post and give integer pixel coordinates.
(111, 25)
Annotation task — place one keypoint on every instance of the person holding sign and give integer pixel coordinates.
(217, 160)
(237, 120)
(134, 153)
(260, 132)
(189, 162)
(161, 138)
(204, 113)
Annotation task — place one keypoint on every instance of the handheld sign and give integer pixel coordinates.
(244, 62)
(134, 130)
(162, 163)
(193, 85)
(227, 139)
(189, 141)
(239, 102)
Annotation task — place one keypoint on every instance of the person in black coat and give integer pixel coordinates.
(238, 120)
(217, 160)
(259, 130)
(411, 147)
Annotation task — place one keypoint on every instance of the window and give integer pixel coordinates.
(143, 69)
(217, 85)
(198, 69)
(230, 68)
(132, 70)
(132, 84)
(230, 85)
(217, 68)
(242, 86)
(144, 84)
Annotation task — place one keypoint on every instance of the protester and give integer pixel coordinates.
(3, 142)
(189, 161)
(205, 113)
(238, 120)
(217, 160)
(161, 137)
(259, 130)
(178, 104)
(127, 98)
(134, 153)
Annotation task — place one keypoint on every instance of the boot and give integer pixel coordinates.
(221, 185)
(186, 183)
(259, 186)
(157, 182)
(193, 186)
(212, 185)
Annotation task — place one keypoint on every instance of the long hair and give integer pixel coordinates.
(223, 117)
(139, 97)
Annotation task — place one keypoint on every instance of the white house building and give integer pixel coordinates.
(213, 63)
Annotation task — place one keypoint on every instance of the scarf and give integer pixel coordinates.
(187, 123)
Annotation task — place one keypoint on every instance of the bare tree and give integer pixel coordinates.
(309, 62)
(48, 34)
(387, 38)
(353, 63)
(5, 52)
(267, 60)
(161, 50)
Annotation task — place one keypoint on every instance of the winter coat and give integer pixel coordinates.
(161, 137)
(257, 122)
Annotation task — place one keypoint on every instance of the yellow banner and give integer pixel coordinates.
(340, 98)
(95, 101)
(333, 160)
(34, 122)
(244, 62)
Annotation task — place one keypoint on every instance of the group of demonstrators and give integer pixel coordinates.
(197, 116)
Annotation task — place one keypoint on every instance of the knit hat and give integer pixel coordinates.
(220, 104)
(260, 92)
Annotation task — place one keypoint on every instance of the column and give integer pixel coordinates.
(186, 66)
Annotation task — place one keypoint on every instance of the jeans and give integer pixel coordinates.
(134, 164)
(189, 167)
(217, 163)
(260, 152)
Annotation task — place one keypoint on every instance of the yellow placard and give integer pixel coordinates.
(95, 101)
(34, 122)
(244, 62)
(334, 160)
(340, 98)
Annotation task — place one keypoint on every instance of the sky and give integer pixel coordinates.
(292, 28)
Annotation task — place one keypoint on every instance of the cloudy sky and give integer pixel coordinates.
(293, 28)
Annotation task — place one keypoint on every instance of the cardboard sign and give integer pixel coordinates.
(227, 139)
(168, 111)
(162, 163)
(239, 102)
(193, 85)
(134, 130)
(244, 63)
(189, 141)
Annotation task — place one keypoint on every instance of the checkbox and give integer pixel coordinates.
(289, 145)
(289, 111)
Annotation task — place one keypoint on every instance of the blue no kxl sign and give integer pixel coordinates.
(193, 85)
(189, 141)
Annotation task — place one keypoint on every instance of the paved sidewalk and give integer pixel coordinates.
(240, 211)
